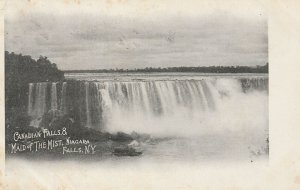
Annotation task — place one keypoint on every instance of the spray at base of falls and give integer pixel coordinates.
(172, 107)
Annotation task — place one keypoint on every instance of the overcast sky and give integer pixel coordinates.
(115, 35)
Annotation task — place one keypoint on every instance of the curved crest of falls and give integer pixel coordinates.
(183, 104)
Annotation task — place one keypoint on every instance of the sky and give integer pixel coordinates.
(136, 34)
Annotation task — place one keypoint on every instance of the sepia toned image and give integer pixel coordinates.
(95, 86)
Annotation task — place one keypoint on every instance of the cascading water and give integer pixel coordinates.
(40, 99)
(30, 99)
(63, 106)
(53, 97)
(156, 106)
(87, 104)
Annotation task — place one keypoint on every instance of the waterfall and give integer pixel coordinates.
(159, 97)
(53, 97)
(149, 105)
(30, 99)
(254, 84)
(87, 104)
(40, 103)
(63, 107)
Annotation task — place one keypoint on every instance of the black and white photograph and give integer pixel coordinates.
(94, 86)
(140, 94)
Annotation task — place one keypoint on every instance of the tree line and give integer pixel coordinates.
(20, 70)
(204, 69)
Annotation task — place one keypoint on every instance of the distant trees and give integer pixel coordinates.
(209, 69)
(20, 70)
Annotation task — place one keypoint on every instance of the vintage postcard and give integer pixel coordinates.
(148, 88)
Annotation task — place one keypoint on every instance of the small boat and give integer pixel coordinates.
(126, 151)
